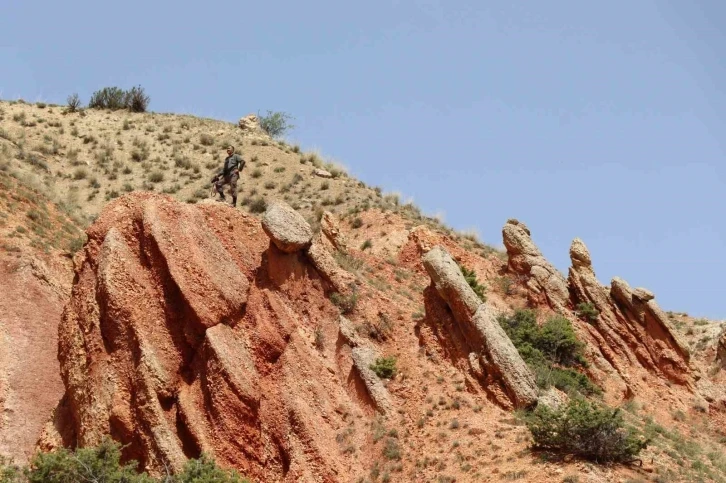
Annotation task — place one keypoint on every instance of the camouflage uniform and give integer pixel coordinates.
(233, 164)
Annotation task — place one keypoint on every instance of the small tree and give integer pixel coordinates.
(137, 100)
(74, 103)
(275, 123)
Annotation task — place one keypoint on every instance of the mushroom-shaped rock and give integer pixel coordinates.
(484, 333)
(287, 229)
(579, 254)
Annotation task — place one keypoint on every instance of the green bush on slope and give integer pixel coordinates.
(549, 350)
(585, 429)
(102, 463)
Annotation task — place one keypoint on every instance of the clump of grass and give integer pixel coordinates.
(588, 312)
(156, 177)
(258, 205)
(80, 173)
(346, 303)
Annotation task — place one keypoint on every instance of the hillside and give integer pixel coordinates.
(87, 158)
(249, 333)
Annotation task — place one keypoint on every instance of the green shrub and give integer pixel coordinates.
(100, 463)
(10, 472)
(549, 350)
(156, 177)
(357, 222)
(470, 277)
(366, 244)
(115, 98)
(112, 98)
(205, 470)
(137, 100)
(275, 123)
(384, 367)
(586, 430)
(256, 173)
(588, 312)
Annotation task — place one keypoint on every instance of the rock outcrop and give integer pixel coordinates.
(330, 228)
(186, 333)
(287, 229)
(329, 269)
(525, 259)
(630, 328)
(250, 124)
(491, 350)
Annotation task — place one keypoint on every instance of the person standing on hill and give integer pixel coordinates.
(233, 165)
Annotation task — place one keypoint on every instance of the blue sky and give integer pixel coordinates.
(598, 120)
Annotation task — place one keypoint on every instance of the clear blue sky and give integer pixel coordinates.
(598, 120)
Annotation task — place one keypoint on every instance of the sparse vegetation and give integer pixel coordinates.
(587, 311)
(346, 303)
(471, 279)
(258, 205)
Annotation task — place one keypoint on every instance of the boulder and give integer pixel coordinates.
(321, 173)
(287, 229)
(250, 124)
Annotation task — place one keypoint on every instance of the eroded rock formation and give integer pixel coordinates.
(491, 353)
(186, 333)
(525, 259)
(627, 327)
(630, 328)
